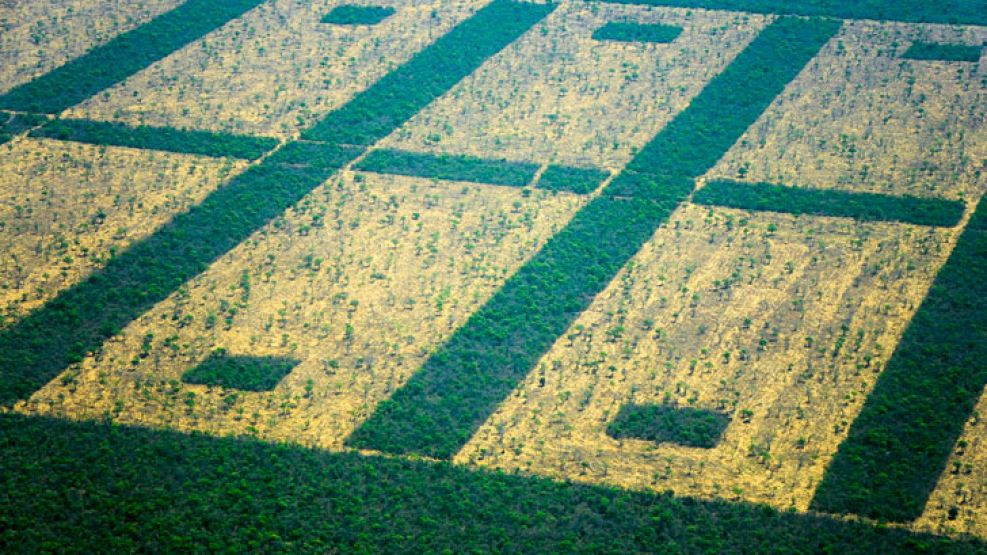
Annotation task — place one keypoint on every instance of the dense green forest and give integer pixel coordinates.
(157, 138)
(637, 32)
(831, 202)
(574, 180)
(14, 124)
(449, 166)
(123, 56)
(687, 426)
(945, 52)
(973, 12)
(246, 373)
(96, 488)
(79, 319)
(463, 382)
(899, 444)
(358, 15)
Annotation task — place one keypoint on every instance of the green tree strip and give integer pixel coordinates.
(69, 487)
(637, 32)
(943, 52)
(15, 124)
(967, 12)
(82, 317)
(830, 202)
(449, 166)
(574, 180)
(246, 373)
(402, 93)
(123, 56)
(687, 426)
(157, 138)
(463, 382)
(358, 15)
(898, 446)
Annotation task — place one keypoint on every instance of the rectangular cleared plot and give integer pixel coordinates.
(623, 31)
(66, 208)
(558, 96)
(861, 120)
(123, 56)
(943, 52)
(830, 202)
(782, 323)
(41, 35)
(157, 138)
(899, 445)
(360, 281)
(455, 168)
(275, 71)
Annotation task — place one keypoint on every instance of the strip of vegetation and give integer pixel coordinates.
(463, 382)
(81, 318)
(358, 15)
(831, 202)
(943, 52)
(899, 445)
(157, 138)
(123, 56)
(637, 32)
(449, 166)
(969, 12)
(392, 100)
(574, 180)
(14, 124)
(86, 487)
(686, 426)
(246, 373)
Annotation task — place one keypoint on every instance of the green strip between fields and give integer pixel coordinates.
(898, 446)
(967, 12)
(626, 31)
(830, 202)
(123, 56)
(72, 487)
(463, 382)
(157, 138)
(688, 426)
(15, 124)
(82, 317)
(930, 51)
(449, 166)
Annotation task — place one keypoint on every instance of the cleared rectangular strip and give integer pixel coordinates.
(900, 443)
(161, 491)
(462, 383)
(157, 138)
(123, 56)
(943, 52)
(965, 12)
(397, 96)
(79, 319)
(449, 166)
(830, 202)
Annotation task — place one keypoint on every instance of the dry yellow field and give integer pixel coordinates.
(559, 96)
(275, 70)
(37, 36)
(66, 207)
